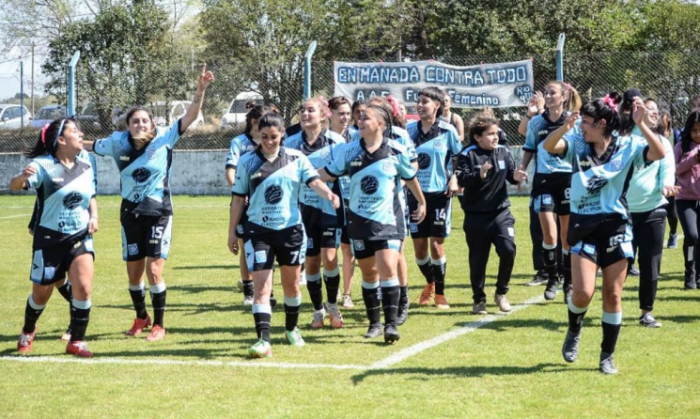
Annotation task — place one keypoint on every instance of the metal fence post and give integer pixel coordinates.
(307, 69)
(21, 94)
(71, 84)
(560, 57)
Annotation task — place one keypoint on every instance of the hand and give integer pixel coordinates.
(571, 120)
(484, 171)
(639, 111)
(419, 214)
(205, 78)
(93, 225)
(520, 175)
(670, 191)
(535, 104)
(335, 200)
(28, 172)
(233, 243)
(452, 187)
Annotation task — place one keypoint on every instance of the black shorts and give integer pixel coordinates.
(363, 249)
(50, 264)
(321, 238)
(604, 243)
(344, 239)
(438, 217)
(553, 196)
(146, 236)
(240, 231)
(288, 246)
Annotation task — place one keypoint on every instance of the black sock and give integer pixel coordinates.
(426, 269)
(332, 280)
(567, 267)
(248, 289)
(31, 315)
(79, 319)
(403, 296)
(158, 301)
(315, 287)
(138, 297)
(576, 315)
(390, 300)
(66, 291)
(372, 298)
(611, 330)
(262, 313)
(549, 256)
(292, 307)
(439, 269)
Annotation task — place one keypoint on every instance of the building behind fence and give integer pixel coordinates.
(670, 77)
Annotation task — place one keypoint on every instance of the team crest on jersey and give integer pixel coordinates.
(49, 272)
(358, 245)
(72, 200)
(273, 194)
(589, 248)
(369, 185)
(387, 165)
(615, 165)
(141, 175)
(132, 249)
(423, 161)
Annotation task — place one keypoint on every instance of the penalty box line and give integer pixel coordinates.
(387, 362)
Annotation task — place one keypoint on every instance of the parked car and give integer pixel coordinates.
(235, 114)
(178, 109)
(48, 114)
(11, 116)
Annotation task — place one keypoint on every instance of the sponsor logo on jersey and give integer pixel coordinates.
(72, 200)
(57, 179)
(423, 161)
(369, 185)
(141, 175)
(257, 175)
(355, 163)
(596, 183)
(124, 158)
(273, 194)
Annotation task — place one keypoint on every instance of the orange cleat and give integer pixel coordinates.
(138, 326)
(427, 295)
(24, 343)
(157, 333)
(441, 302)
(78, 349)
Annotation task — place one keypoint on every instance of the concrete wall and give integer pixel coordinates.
(192, 173)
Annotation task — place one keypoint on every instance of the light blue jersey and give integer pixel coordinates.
(435, 150)
(239, 146)
(646, 186)
(63, 199)
(273, 188)
(320, 154)
(401, 136)
(376, 212)
(145, 173)
(537, 131)
(599, 184)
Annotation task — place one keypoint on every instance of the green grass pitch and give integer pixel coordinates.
(508, 368)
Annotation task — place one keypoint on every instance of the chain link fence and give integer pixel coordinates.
(670, 77)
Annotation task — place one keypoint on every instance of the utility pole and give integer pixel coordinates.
(32, 78)
(21, 93)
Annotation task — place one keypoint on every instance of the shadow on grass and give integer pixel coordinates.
(196, 289)
(429, 373)
(194, 268)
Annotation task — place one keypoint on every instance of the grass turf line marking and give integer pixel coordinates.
(15, 216)
(122, 361)
(414, 350)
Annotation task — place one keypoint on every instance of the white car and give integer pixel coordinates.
(235, 114)
(11, 116)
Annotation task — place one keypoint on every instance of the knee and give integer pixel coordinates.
(437, 249)
(154, 272)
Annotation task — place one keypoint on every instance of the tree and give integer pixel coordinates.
(124, 54)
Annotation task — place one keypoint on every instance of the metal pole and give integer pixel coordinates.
(71, 84)
(560, 57)
(307, 69)
(21, 93)
(32, 77)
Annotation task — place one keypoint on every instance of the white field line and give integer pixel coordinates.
(14, 216)
(463, 330)
(387, 362)
(122, 361)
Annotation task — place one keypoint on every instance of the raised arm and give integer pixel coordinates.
(205, 78)
(656, 148)
(20, 180)
(554, 143)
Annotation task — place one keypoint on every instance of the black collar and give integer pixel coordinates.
(385, 142)
(607, 154)
(433, 132)
(259, 152)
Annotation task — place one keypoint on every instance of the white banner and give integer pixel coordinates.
(500, 85)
